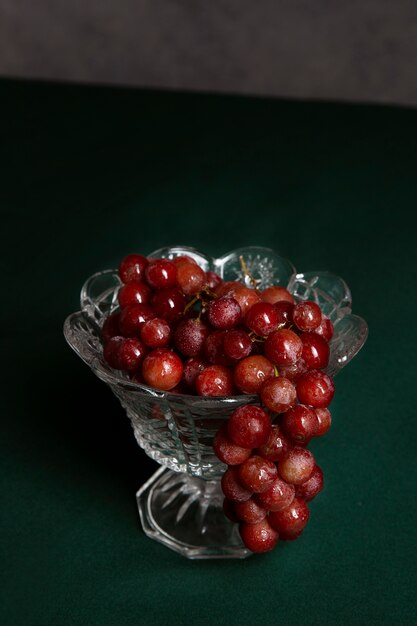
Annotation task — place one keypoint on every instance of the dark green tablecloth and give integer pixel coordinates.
(89, 174)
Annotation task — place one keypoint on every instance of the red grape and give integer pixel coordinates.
(300, 424)
(284, 311)
(189, 336)
(250, 511)
(133, 317)
(312, 486)
(250, 373)
(213, 280)
(131, 354)
(283, 347)
(257, 474)
(162, 369)
(316, 389)
(134, 293)
(192, 368)
(169, 304)
(296, 466)
(226, 287)
(278, 394)
(324, 420)
(213, 348)
(276, 446)
(183, 258)
(279, 495)
(232, 488)
(262, 318)
(227, 451)
(260, 537)
(325, 329)
(276, 294)
(224, 313)
(237, 344)
(132, 267)
(155, 333)
(245, 296)
(215, 380)
(111, 350)
(307, 315)
(290, 522)
(316, 351)
(190, 278)
(293, 371)
(161, 274)
(110, 326)
(249, 426)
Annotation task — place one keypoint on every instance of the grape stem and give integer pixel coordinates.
(191, 303)
(245, 270)
(210, 293)
(254, 337)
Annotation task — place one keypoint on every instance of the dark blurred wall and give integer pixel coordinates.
(357, 50)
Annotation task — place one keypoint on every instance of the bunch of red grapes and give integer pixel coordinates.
(184, 330)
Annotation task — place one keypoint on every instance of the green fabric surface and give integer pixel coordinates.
(90, 174)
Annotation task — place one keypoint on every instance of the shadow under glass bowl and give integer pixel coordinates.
(181, 505)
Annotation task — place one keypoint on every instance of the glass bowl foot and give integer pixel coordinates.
(185, 513)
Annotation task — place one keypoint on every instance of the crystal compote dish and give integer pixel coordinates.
(181, 505)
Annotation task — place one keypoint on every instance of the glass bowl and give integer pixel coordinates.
(181, 504)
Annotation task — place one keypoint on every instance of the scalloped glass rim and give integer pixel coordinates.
(99, 297)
